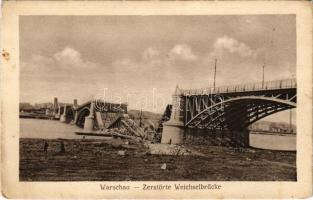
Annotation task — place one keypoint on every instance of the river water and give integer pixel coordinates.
(50, 129)
(273, 141)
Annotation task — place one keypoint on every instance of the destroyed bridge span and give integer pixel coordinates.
(224, 109)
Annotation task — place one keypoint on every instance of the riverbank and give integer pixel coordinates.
(98, 160)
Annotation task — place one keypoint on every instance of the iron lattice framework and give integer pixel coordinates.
(236, 107)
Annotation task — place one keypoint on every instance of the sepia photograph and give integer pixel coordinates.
(163, 100)
(158, 98)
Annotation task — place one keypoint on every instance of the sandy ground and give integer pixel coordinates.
(96, 160)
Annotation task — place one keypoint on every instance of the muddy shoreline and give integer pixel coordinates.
(98, 160)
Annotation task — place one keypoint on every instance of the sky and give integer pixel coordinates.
(141, 59)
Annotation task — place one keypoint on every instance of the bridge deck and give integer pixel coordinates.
(269, 85)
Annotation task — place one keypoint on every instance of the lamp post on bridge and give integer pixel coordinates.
(214, 73)
(263, 75)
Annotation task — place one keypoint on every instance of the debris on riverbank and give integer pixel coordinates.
(99, 160)
(170, 149)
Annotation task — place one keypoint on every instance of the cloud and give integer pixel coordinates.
(67, 59)
(150, 53)
(68, 55)
(182, 52)
(227, 44)
(237, 62)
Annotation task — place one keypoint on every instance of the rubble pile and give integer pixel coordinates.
(127, 127)
(166, 149)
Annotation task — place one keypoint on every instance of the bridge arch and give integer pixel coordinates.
(239, 112)
(70, 114)
(81, 114)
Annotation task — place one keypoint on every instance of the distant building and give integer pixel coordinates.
(277, 127)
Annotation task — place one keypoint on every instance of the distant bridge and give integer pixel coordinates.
(231, 108)
(96, 110)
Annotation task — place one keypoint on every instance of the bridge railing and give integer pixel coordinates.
(269, 85)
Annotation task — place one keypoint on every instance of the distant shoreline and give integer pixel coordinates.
(271, 133)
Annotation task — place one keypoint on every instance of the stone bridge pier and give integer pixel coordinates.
(173, 130)
(89, 120)
(63, 116)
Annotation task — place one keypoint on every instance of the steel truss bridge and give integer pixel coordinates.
(228, 108)
(232, 107)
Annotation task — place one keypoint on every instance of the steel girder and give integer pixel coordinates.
(234, 112)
